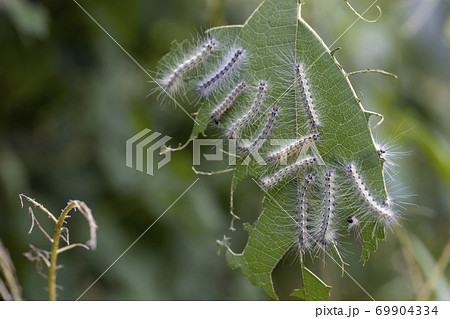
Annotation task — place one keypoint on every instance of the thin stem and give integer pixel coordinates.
(34, 220)
(340, 258)
(9, 289)
(437, 272)
(54, 251)
(412, 266)
(4, 293)
(36, 204)
(65, 248)
(360, 16)
(373, 70)
(376, 114)
(165, 149)
(233, 215)
(212, 173)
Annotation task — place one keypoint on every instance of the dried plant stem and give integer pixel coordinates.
(4, 293)
(436, 273)
(9, 288)
(54, 251)
(374, 71)
(412, 266)
(38, 205)
(212, 173)
(360, 16)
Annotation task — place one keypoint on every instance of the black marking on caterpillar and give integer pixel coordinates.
(354, 227)
(207, 86)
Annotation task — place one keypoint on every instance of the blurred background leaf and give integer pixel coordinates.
(70, 98)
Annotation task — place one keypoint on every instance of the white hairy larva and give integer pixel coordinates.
(383, 212)
(265, 133)
(306, 95)
(228, 102)
(292, 148)
(326, 230)
(252, 113)
(206, 86)
(302, 212)
(171, 82)
(289, 171)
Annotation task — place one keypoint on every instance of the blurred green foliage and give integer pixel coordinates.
(70, 98)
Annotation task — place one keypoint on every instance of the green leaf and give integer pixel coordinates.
(275, 38)
(313, 289)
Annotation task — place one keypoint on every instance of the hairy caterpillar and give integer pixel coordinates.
(306, 94)
(265, 133)
(302, 211)
(326, 232)
(383, 212)
(251, 114)
(292, 148)
(228, 102)
(206, 86)
(172, 81)
(289, 171)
